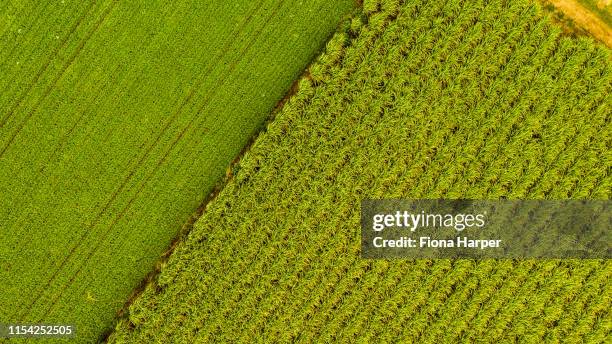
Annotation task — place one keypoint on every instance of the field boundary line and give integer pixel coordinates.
(295, 265)
(149, 280)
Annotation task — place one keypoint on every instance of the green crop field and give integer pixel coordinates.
(117, 119)
(412, 99)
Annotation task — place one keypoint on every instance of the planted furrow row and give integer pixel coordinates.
(411, 100)
(101, 239)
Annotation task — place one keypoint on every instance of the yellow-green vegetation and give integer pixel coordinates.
(414, 99)
(117, 118)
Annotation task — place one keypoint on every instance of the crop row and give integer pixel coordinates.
(116, 120)
(420, 99)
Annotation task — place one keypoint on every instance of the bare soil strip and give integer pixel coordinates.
(585, 19)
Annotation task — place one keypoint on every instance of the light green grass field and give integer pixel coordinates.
(427, 99)
(116, 120)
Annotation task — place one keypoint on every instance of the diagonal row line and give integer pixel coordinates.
(55, 80)
(139, 163)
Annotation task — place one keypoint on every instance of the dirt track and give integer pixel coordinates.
(585, 19)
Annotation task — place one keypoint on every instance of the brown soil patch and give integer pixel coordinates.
(585, 19)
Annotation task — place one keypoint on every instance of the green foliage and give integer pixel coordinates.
(429, 99)
(117, 118)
